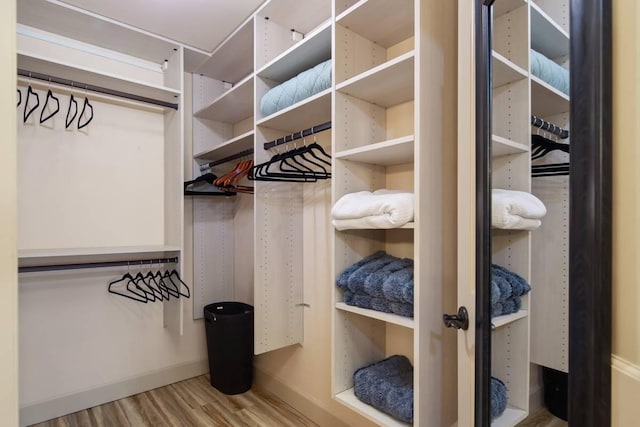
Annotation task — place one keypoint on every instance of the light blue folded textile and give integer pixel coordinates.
(302, 86)
(387, 386)
(550, 72)
(379, 304)
(498, 397)
(343, 278)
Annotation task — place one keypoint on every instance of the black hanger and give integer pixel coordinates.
(19, 97)
(541, 146)
(84, 108)
(50, 95)
(27, 112)
(174, 273)
(127, 276)
(68, 121)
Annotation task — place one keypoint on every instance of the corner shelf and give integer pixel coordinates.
(228, 148)
(386, 153)
(385, 23)
(348, 398)
(501, 321)
(232, 106)
(388, 84)
(306, 113)
(547, 100)
(547, 37)
(406, 322)
(92, 76)
(505, 147)
(505, 71)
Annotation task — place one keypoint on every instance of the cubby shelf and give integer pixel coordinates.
(312, 50)
(386, 153)
(505, 71)
(547, 37)
(547, 100)
(510, 417)
(232, 106)
(407, 226)
(383, 22)
(38, 257)
(501, 321)
(227, 148)
(406, 322)
(388, 84)
(304, 114)
(505, 147)
(505, 6)
(349, 399)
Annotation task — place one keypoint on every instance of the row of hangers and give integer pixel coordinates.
(153, 286)
(544, 141)
(228, 184)
(49, 110)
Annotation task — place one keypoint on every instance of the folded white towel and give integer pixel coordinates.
(516, 210)
(380, 209)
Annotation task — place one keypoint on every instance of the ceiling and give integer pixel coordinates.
(203, 24)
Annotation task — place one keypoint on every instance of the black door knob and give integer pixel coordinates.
(458, 321)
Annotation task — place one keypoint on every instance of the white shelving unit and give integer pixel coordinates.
(385, 135)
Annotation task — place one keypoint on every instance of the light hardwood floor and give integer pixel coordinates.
(543, 419)
(188, 403)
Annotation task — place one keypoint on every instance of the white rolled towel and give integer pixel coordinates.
(516, 210)
(380, 209)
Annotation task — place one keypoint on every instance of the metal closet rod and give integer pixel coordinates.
(93, 88)
(543, 124)
(84, 265)
(297, 135)
(241, 154)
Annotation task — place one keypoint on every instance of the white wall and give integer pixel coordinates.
(8, 279)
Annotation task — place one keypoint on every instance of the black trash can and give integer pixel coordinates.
(229, 327)
(556, 392)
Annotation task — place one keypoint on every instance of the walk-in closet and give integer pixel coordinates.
(313, 162)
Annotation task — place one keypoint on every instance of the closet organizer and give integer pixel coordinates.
(537, 333)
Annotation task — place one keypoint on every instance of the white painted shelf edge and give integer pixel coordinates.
(265, 121)
(510, 417)
(501, 321)
(389, 64)
(378, 153)
(219, 151)
(34, 257)
(348, 398)
(408, 225)
(406, 322)
(237, 87)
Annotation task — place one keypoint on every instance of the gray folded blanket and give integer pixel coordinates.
(506, 289)
(379, 304)
(498, 397)
(387, 386)
(343, 278)
(510, 306)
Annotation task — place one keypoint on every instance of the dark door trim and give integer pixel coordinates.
(590, 207)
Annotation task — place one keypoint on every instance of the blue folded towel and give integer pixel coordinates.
(343, 278)
(519, 286)
(550, 72)
(393, 282)
(510, 306)
(498, 397)
(379, 304)
(358, 277)
(387, 386)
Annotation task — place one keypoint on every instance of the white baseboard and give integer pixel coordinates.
(625, 389)
(107, 393)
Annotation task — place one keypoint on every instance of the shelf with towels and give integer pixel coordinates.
(348, 398)
(406, 322)
(305, 114)
(501, 321)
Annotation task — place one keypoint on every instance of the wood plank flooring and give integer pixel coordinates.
(543, 418)
(190, 403)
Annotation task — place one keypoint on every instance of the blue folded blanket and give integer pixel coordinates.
(302, 86)
(379, 304)
(506, 289)
(509, 306)
(498, 397)
(549, 72)
(343, 278)
(387, 386)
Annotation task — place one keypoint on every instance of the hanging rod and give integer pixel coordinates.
(550, 127)
(131, 263)
(297, 135)
(241, 154)
(94, 88)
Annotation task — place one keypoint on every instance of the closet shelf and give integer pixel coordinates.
(312, 50)
(406, 322)
(234, 105)
(407, 226)
(506, 6)
(303, 16)
(230, 62)
(505, 71)
(88, 75)
(383, 22)
(505, 147)
(38, 257)
(305, 114)
(547, 100)
(348, 398)
(501, 321)
(511, 417)
(386, 153)
(547, 37)
(388, 84)
(228, 148)
(77, 24)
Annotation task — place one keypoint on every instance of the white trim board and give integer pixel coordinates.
(109, 392)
